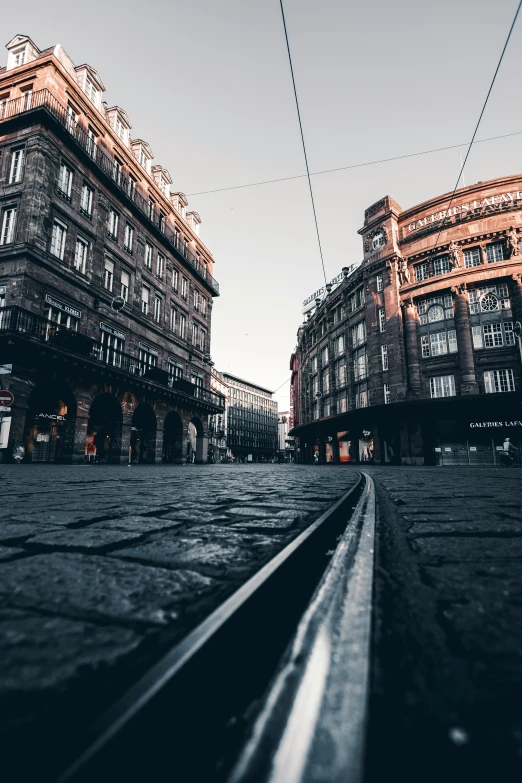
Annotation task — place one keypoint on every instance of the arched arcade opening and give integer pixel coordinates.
(173, 438)
(103, 443)
(143, 435)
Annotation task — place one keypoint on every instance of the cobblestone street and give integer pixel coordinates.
(105, 568)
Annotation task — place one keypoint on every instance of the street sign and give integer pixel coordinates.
(6, 398)
(3, 409)
(6, 369)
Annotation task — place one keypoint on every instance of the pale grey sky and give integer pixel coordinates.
(207, 84)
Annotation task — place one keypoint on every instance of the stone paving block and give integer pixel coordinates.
(467, 548)
(264, 524)
(39, 653)
(17, 531)
(84, 538)
(219, 556)
(95, 587)
(136, 524)
(7, 552)
(490, 527)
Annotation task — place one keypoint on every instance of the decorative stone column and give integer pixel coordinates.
(412, 349)
(202, 448)
(516, 297)
(83, 404)
(468, 378)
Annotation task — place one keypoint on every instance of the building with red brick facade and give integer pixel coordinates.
(412, 357)
(106, 288)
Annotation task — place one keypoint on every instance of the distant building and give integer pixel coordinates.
(217, 425)
(251, 420)
(285, 443)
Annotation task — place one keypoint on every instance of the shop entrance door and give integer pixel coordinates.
(46, 442)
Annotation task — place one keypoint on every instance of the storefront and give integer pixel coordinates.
(50, 424)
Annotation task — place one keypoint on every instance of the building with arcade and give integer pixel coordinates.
(106, 287)
(413, 356)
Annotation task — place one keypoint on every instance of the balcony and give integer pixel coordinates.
(44, 99)
(15, 322)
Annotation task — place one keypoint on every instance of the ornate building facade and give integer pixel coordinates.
(413, 357)
(106, 288)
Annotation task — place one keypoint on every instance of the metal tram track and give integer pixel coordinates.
(271, 688)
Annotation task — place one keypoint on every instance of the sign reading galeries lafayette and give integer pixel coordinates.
(479, 206)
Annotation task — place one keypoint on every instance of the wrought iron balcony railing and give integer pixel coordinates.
(46, 100)
(23, 323)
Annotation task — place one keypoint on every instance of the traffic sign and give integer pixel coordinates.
(6, 398)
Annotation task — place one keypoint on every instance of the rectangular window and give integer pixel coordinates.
(129, 238)
(157, 309)
(65, 182)
(148, 256)
(173, 318)
(182, 326)
(357, 299)
(111, 349)
(441, 266)
(452, 341)
(380, 282)
(86, 200)
(314, 363)
(361, 395)
(384, 356)
(324, 356)
(326, 382)
(108, 275)
(184, 288)
(476, 333)
(196, 299)
(493, 337)
(387, 394)
(58, 239)
(341, 374)
(145, 298)
(160, 266)
(358, 334)
(124, 285)
(499, 381)
(495, 252)
(438, 343)
(203, 340)
(80, 255)
(360, 364)
(509, 333)
(175, 371)
(422, 271)
(92, 143)
(147, 358)
(382, 319)
(203, 306)
(340, 345)
(442, 386)
(194, 334)
(175, 280)
(91, 91)
(342, 405)
(503, 292)
(17, 165)
(113, 225)
(8, 226)
(472, 257)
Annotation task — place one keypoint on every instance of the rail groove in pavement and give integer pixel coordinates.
(265, 669)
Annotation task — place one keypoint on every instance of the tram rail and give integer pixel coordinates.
(230, 701)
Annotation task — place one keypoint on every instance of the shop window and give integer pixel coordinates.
(472, 257)
(7, 233)
(495, 253)
(58, 239)
(442, 386)
(499, 381)
(80, 255)
(422, 271)
(493, 337)
(17, 165)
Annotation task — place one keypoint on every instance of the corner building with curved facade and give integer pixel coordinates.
(413, 357)
(106, 288)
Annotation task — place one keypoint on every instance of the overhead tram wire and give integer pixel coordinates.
(354, 165)
(479, 120)
(303, 141)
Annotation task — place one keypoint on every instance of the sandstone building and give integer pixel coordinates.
(106, 288)
(413, 356)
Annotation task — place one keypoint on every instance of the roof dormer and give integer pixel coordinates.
(179, 202)
(21, 50)
(89, 81)
(194, 221)
(162, 179)
(119, 121)
(142, 153)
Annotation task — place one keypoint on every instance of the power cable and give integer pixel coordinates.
(303, 141)
(480, 118)
(353, 165)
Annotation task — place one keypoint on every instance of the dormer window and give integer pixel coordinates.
(90, 90)
(119, 122)
(142, 153)
(19, 56)
(21, 51)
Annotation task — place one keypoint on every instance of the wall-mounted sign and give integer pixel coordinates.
(489, 424)
(309, 303)
(52, 416)
(112, 330)
(118, 303)
(472, 448)
(147, 348)
(6, 397)
(65, 308)
(479, 206)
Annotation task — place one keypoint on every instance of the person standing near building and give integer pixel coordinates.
(508, 454)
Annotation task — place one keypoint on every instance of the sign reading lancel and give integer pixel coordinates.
(488, 202)
(484, 424)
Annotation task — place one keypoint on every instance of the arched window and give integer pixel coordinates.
(435, 313)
